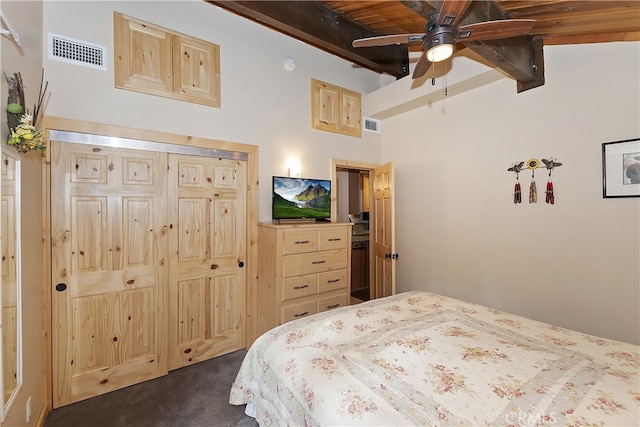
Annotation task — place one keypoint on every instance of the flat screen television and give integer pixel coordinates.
(301, 198)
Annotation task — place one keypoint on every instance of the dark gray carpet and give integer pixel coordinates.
(195, 396)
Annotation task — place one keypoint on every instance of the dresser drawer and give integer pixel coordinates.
(300, 241)
(316, 262)
(332, 280)
(297, 311)
(330, 303)
(301, 286)
(333, 238)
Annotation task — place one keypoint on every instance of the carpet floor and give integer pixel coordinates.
(194, 396)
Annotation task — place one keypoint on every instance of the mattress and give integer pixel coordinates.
(419, 358)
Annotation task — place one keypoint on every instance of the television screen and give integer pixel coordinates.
(301, 198)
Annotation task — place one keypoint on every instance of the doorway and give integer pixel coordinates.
(377, 195)
(353, 191)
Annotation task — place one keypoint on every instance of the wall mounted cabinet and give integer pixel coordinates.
(156, 61)
(335, 109)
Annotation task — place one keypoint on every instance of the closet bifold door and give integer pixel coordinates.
(109, 268)
(207, 278)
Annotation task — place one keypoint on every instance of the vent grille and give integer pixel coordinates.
(66, 49)
(371, 125)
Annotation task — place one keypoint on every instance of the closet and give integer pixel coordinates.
(149, 254)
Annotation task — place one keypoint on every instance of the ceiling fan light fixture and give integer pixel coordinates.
(440, 47)
(440, 52)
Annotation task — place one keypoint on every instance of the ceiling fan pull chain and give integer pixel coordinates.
(433, 79)
(446, 85)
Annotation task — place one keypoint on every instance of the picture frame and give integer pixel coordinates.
(621, 168)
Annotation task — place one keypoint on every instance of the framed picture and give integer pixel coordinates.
(621, 168)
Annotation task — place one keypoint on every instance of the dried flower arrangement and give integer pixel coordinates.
(24, 135)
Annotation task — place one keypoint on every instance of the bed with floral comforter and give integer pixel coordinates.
(421, 359)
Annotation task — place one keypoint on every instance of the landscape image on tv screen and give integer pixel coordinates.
(301, 198)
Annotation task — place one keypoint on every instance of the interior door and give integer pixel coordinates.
(207, 234)
(383, 233)
(109, 268)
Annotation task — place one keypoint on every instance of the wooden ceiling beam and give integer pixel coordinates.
(319, 26)
(520, 57)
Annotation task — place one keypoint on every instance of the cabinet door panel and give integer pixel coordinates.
(196, 70)
(143, 56)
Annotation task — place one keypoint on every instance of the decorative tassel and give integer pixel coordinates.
(550, 198)
(517, 193)
(533, 192)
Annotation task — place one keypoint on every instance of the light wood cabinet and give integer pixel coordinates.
(303, 269)
(157, 61)
(335, 109)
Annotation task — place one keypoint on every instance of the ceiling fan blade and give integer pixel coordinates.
(493, 30)
(451, 11)
(388, 40)
(422, 67)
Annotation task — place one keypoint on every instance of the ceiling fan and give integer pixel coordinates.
(442, 33)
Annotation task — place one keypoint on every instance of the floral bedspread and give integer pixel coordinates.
(421, 359)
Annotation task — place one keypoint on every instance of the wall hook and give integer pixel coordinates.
(9, 30)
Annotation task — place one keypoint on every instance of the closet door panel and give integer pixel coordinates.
(207, 275)
(109, 252)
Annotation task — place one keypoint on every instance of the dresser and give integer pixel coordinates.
(303, 269)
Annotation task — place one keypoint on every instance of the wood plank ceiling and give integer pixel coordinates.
(333, 25)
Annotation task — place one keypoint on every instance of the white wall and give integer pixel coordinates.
(576, 263)
(262, 103)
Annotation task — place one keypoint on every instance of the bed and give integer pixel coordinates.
(421, 359)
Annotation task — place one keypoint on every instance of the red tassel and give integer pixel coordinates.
(550, 198)
(517, 193)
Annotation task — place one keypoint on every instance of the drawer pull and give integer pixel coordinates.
(301, 314)
(329, 307)
(318, 262)
(301, 242)
(333, 281)
(306, 285)
(335, 239)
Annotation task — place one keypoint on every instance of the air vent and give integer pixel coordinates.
(66, 49)
(371, 125)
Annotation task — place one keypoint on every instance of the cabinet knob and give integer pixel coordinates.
(240, 264)
(60, 287)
